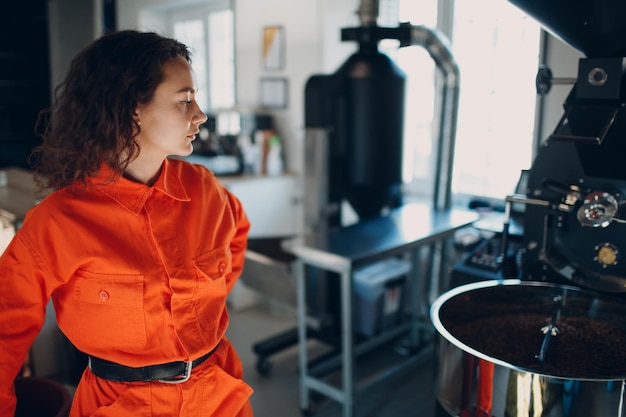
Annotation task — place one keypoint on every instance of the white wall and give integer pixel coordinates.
(313, 46)
(300, 20)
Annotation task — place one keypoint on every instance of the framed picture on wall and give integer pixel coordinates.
(273, 52)
(274, 92)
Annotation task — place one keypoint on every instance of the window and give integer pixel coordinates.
(208, 30)
(222, 59)
(497, 102)
(420, 92)
(191, 33)
(497, 49)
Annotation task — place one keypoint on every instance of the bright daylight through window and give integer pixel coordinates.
(210, 36)
(497, 48)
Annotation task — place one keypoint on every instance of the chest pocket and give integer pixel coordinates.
(111, 310)
(210, 302)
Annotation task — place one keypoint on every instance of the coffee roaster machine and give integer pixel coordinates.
(353, 169)
(551, 340)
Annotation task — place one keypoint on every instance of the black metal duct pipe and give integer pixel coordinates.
(372, 127)
(377, 100)
(362, 106)
(390, 125)
(439, 50)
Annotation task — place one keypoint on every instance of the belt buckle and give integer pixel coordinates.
(179, 379)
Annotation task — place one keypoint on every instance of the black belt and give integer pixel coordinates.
(171, 373)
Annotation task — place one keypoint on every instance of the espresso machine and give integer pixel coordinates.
(551, 341)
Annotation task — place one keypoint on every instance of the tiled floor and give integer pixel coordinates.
(406, 393)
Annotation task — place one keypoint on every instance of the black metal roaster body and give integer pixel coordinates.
(552, 341)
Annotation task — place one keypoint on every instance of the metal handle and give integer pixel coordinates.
(545, 80)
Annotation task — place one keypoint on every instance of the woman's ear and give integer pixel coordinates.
(136, 117)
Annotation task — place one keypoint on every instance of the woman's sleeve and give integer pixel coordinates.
(239, 242)
(23, 301)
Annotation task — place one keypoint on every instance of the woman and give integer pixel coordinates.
(137, 251)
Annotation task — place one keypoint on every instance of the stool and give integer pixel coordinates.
(41, 397)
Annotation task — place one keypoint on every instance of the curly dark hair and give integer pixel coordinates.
(91, 120)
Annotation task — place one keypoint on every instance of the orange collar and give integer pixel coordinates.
(133, 195)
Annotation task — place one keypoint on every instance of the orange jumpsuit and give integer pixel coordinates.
(139, 276)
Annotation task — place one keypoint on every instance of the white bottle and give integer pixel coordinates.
(274, 157)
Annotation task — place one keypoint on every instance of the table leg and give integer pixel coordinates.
(302, 334)
(347, 319)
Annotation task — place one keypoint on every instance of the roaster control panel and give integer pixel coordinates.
(485, 262)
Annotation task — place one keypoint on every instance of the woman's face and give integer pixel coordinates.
(170, 121)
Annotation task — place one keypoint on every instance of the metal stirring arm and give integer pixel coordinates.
(504, 245)
(550, 332)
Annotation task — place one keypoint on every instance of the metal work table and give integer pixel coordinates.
(404, 230)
